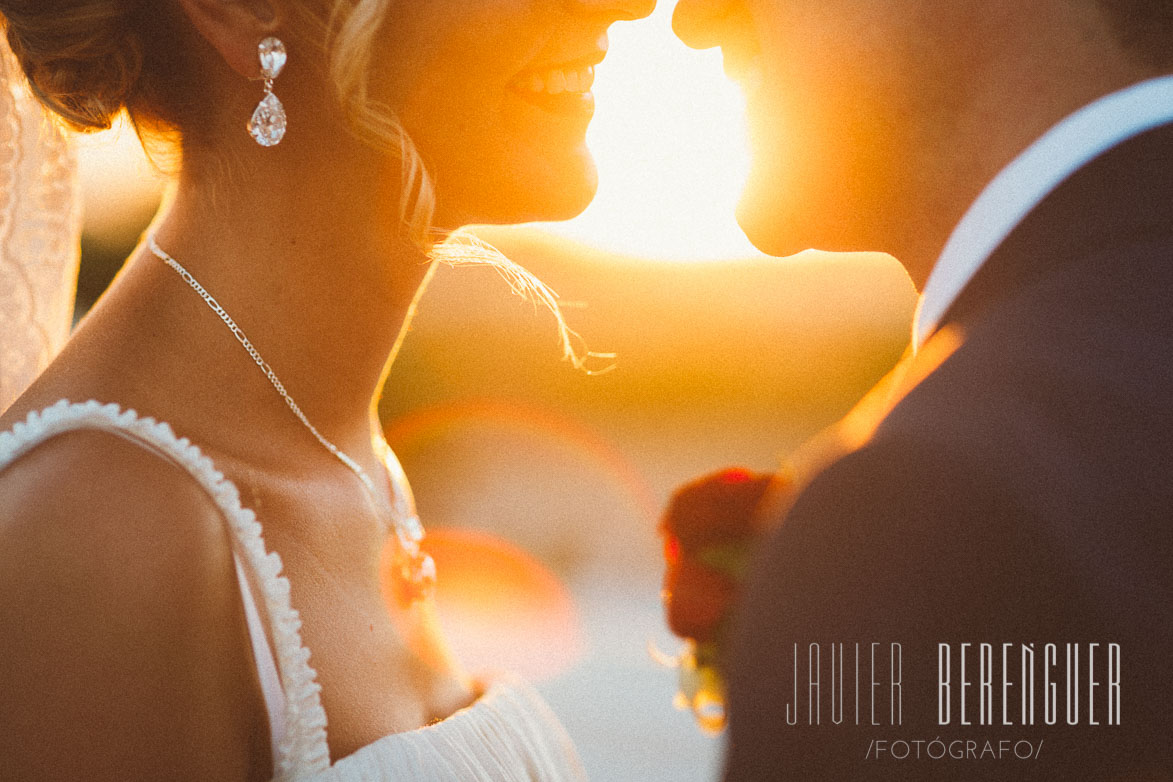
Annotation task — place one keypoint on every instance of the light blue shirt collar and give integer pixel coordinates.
(1030, 178)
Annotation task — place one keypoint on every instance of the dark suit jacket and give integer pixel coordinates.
(1022, 492)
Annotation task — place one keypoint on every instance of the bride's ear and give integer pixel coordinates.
(234, 28)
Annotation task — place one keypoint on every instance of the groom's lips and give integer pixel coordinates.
(740, 66)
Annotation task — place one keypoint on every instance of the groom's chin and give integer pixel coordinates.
(771, 226)
(761, 233)
(781, 220)
(776, 214)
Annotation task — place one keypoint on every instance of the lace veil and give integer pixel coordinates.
(40, 225)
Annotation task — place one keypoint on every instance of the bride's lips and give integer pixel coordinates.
(563, 87)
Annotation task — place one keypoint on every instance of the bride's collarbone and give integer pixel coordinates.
(314, 518)
(383, 667)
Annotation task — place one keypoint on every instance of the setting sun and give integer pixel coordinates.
(670, 143)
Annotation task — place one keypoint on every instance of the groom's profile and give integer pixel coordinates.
(1000, 511)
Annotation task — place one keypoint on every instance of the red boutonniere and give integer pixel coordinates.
(710, 532)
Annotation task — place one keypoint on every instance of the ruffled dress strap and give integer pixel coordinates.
(297, 720)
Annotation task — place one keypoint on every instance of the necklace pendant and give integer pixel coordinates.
(417, 576)
(416, 569)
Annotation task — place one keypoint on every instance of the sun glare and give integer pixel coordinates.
(670, 142)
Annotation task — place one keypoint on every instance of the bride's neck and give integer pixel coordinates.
(310, 265)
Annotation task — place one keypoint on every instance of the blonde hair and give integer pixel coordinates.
(349, 38)
(87, 60)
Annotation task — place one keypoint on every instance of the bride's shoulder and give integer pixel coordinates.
(119, 617)
(79, 498)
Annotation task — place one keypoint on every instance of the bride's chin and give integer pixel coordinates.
(528, 202)
(567, 205)
(570, 198)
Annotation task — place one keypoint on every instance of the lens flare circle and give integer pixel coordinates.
(500, 608)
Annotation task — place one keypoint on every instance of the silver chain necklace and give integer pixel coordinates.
(415, 569)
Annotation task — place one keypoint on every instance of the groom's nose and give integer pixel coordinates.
(620, 10)
(698, 23)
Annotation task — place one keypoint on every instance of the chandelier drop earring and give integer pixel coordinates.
(268, 122)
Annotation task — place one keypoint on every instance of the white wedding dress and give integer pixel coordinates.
(507, 735)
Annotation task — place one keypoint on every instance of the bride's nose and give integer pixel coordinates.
(619, 10)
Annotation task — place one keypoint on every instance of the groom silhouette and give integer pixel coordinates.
(985, 545)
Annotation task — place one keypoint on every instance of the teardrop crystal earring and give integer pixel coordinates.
(268, 122)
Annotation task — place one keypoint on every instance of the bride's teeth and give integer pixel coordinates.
(556, 82)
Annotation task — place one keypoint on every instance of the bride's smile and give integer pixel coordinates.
(497, 96)
(562, 88)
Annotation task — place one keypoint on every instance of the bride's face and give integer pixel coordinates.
(496, 96)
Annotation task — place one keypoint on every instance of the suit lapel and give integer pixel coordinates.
(856, 429)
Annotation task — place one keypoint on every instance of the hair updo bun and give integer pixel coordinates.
(83, 58)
